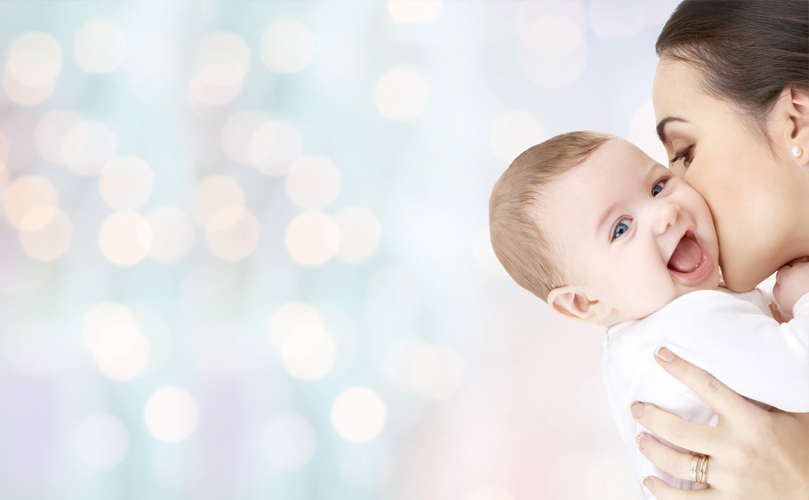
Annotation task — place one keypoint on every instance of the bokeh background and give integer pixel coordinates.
(244, 249)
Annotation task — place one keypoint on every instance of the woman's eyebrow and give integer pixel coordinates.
(661, 133)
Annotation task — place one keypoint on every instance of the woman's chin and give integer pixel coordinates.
(742, 278)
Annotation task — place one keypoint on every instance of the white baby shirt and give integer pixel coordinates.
(732, 336)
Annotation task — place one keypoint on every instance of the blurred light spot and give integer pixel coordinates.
(154, 61)
(103, 317)
(152, 326)
(222, 60)
(238, 131)
(121, 352)
(289, 317)
(365, 469)
(342, 329)
(31, 348)
(287, 47)
(290, 441)
(213, 194)
(87, 147)
(313, 183)
(172, 234)
(232, 233)
(358, 414)
(211, 95)
(24, 95)
(485, 257)
(513, 133)
(171, 414)
(401, 93)
(50, 133)
(360, 233)
(45, 233)
(298, 333)
(436, 371)
(34, 59)
(25, 194)
(414, 11)
(125, 238)
(642, 133)
(99, 46)
(312, 238)
(308, 353)
(274, 147)
(341, 63)
(490, 493)
(129, 360)
(552, 52)
(615, 18)
(102, 441)
(126, 182)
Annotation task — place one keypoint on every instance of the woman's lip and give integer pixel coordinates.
(700, 272)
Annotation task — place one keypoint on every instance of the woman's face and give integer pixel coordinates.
(751, 193)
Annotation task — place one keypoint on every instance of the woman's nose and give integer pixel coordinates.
(666, 216)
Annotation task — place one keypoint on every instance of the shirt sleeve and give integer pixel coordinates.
(749, 352)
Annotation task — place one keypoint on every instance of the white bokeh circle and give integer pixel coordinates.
(287, 47)
(358, 414)
(171, 414)
(100, 46)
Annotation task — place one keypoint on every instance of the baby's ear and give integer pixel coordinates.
(571, 301)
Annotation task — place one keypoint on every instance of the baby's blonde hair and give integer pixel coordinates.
(526, 252)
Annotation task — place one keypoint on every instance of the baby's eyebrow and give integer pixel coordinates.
(661, 132)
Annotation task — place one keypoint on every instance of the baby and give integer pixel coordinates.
(592, 225)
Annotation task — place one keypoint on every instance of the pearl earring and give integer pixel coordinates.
(797, 152)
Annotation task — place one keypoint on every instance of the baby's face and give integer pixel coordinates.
(634, 236)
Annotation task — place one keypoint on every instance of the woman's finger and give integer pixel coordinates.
(717, 395)
(674, 462)
(679, 432)
(662, 491)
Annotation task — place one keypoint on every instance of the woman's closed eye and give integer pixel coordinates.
(684, 155)
(620, 228)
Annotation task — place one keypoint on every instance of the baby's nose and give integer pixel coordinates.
(667, 215)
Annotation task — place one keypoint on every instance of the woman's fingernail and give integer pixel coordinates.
(664, 354)
(637, 409)
(639, 440)
(650, 485)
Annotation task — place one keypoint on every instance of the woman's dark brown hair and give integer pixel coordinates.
(747, 51)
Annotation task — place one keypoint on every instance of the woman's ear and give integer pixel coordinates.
(792, 108)
(571, 301)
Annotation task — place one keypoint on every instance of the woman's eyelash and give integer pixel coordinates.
(679, 156)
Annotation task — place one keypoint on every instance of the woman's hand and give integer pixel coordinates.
(754, 454)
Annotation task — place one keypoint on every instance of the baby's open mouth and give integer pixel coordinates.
(689, 261)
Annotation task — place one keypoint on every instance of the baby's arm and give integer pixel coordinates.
(791, 283)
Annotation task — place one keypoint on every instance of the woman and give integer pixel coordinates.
(731, 95)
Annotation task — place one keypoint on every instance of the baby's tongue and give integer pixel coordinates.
(686, 257)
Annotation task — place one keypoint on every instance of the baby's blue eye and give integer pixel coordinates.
(621, 228)
(658, 187)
